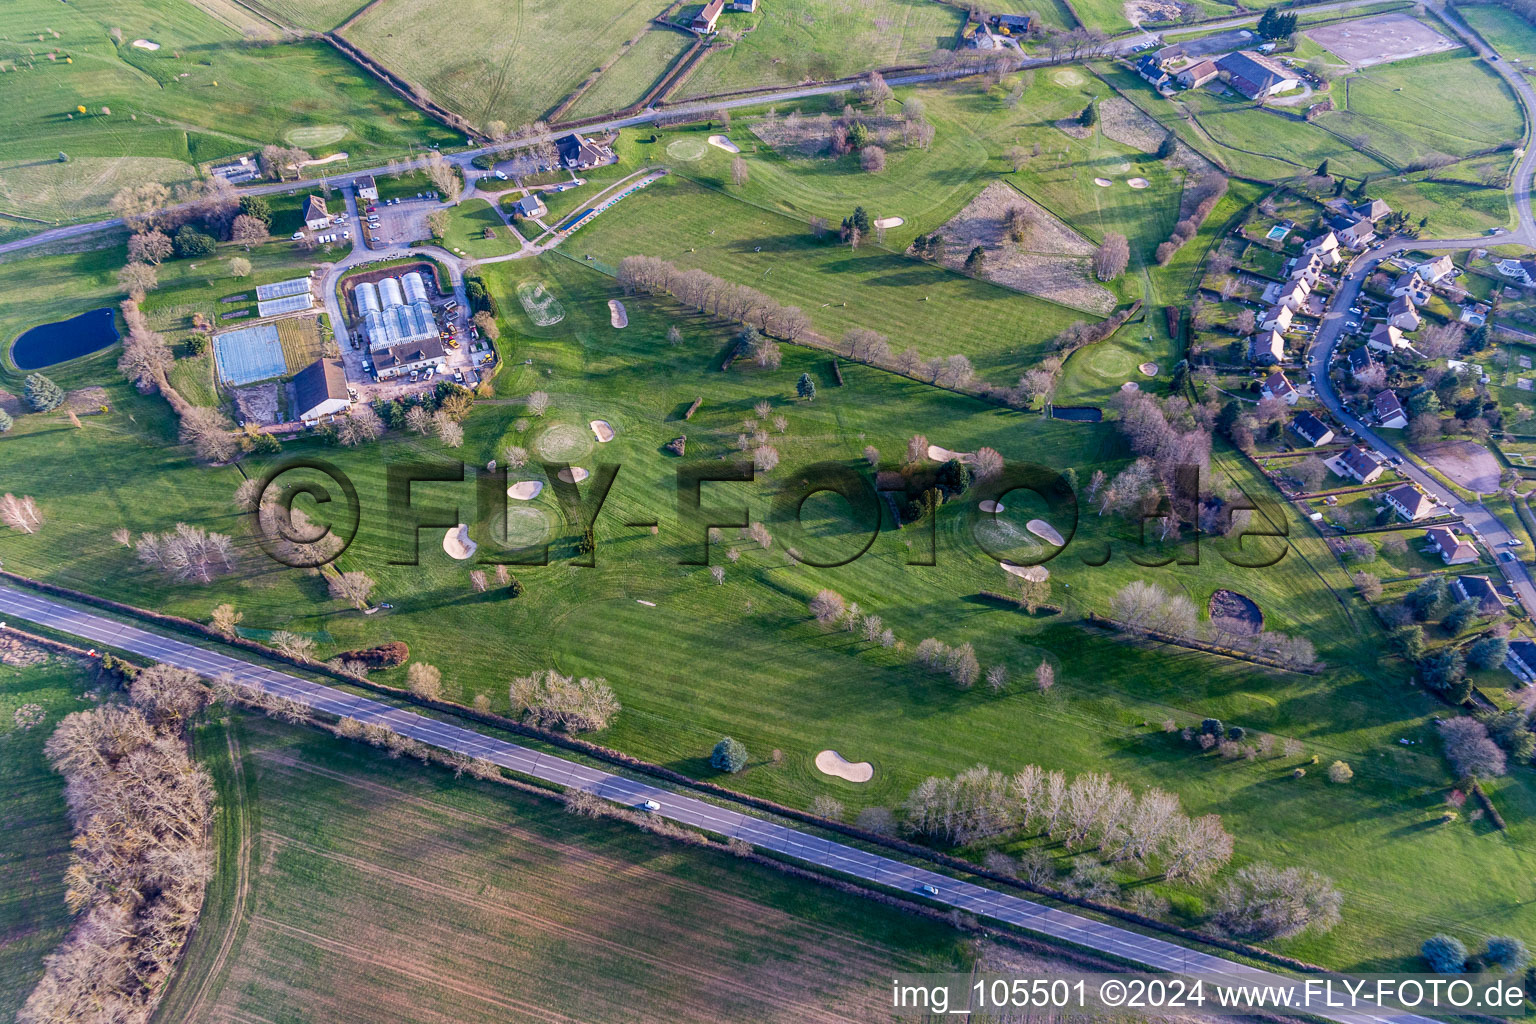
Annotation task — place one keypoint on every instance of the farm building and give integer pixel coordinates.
(249, 354)
(315, 215)
(290, 296)
(401, 359)
(395, 311)
(1255, 75)
(743, 5)
(1011, 24)
(1197, 75)
(704, 21)
(320, 390)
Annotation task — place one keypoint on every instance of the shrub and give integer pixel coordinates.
(729, 755)
(1340, 772)
(1507, 953)
(1446, 954)
(386, 655)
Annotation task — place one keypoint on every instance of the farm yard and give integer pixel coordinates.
(353, 883)
(498, 63)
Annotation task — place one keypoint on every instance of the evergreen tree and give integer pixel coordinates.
(1166, 148)
(42, 393)
(974, 261)
(1322, 168)
(258, 207)
(861, 220)
(1089, 117)
(806, 388)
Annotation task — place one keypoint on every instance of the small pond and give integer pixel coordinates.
(81, 335)
(1082, 413)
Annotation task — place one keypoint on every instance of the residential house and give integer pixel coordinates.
(1278, 385)
(1152, 71)
(1402, 314)
(531, 205)
(1386, 338)
(1409, 502)
(1359, 361)
(1411, 285)
(580, 154)
(1256, 76)
(1325, 247)
(1278, 318)
(1352, 232)
(704, 21)
(1371, 209)
(1294, 295)
(367, 189)
(1523, 271)
(1309, 268)
(1389, 411)
(1437, 269)
(315, 216)
(320, 390)
(1359, 464)
(402, 359)
(1311, 429)
(1521, 660)
(1266, 346)
(1449, 545)
(1481, 590)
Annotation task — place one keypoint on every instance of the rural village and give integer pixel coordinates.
(1103, 432)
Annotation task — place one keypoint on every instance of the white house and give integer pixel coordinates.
(1358, 464)
(1325, 247)
(1437, 269)
(1523, 271)
(1278, 318)
(1278, 385)
(1402, 314)
(1255, 75)
(1294, 295)
(1360, 361)
(1448, 544)
(1309, 267)
(1409, 502)
(1386, 338)
(315, 216)
(367, 189)
(1521, 660)
(1411, 285)
(1389, 411)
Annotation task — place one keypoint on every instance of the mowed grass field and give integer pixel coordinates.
(639, 68)
(33, 917)
(791, 686)
(492, 61)
(205, 94)
(363, 886)
(1508, 33)
(315, 15)
(793, 41)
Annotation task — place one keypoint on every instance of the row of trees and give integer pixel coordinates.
(710, 294)
(1196, 204)
(140, 860)
(188, 553)
(1140, 606)
(1091, 811)
(554, 701)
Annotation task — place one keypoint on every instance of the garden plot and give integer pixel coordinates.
(1050, 259)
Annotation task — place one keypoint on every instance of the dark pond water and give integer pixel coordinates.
(1086, 413)
(81, 335)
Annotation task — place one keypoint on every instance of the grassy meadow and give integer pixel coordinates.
(630, 77)
(207, 93)
(349, 883)
(33, 917)
(488, 61)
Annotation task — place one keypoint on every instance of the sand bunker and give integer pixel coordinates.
(602, 431)
(938, 454)
(991, 506)
(146, 44)
(1045, 531)
(574, 475)
(1148, 369)
(1130, 385)
(1137, 182)
(1102, 182)
(1033, 573)
(889, 222)
(830, 762)
(457, 543)
(724, 143)
(525, 490)
(617, 316)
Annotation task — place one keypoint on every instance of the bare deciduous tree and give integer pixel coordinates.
(225, 619)
(352, 587)
(552, 700)
(424, 680)
(20, 514)
(293, 645)
(827, 606)
(537, 403)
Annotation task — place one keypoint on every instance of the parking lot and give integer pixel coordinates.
(396, 223)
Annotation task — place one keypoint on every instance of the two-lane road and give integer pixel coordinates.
(977, 900)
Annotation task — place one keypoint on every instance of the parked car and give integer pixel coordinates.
(458, 375)
(430, 371)
(1514, 542)
(1506, 556)
(415, 374)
